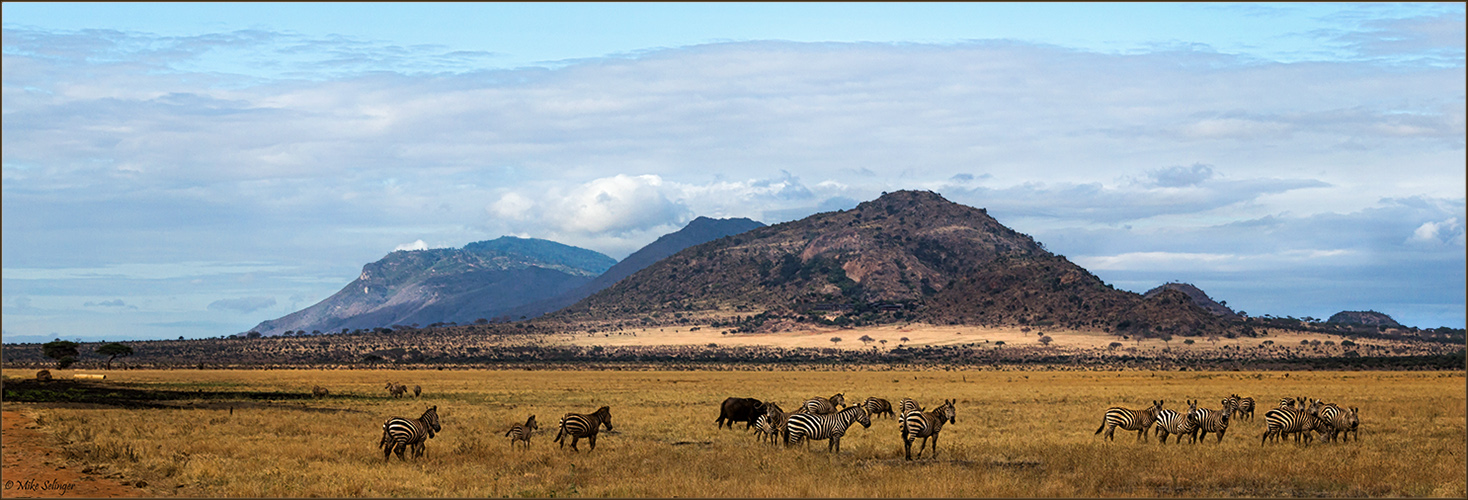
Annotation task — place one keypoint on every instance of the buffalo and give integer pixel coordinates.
(745, 410)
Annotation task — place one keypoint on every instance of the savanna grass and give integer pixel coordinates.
(1017, 434)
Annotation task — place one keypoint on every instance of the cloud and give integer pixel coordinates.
(1448, 231)
(416, 245)
(614, 205)
(110, 303)
(242, 305)
(1179, 176)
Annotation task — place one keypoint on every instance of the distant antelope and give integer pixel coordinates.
(417, 391)
(396, 390)
(319, 392)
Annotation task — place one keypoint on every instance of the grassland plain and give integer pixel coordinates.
(1017, 434)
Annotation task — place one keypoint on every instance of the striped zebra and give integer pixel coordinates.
(1129, 420)
(921, 424)
(1353, 424)
(522, 432)
(1206, 420)
(1243, 407)
(822, 406)
(580, 426)
(905, 407)
(878, 407)
(1170, 422)
(396, 390)
(1337, 421)
(399, 433)
(774, 422)
(1286, 402)
(1280, 421)
(830, 426)
(765, 427)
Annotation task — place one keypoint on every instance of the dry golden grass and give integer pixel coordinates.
(1018, 434)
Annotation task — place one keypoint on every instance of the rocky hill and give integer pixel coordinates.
(1368, 318)
(906, 255)
(701, 230)
(480, 281)
(1199, 297)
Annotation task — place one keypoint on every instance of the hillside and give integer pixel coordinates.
(700, 230)
(1367, 318)
(1199, 297)
(908, 255)
(480, 281)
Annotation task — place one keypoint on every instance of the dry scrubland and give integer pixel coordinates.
(1018, 434)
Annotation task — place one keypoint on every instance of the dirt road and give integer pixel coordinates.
(32, 468)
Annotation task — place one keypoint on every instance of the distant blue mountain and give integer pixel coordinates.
(482, 280)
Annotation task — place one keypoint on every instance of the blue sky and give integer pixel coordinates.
(193, 169)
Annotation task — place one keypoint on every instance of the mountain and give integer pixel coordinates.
(908, 255)
(1368, 318)
(1199, 298)
(482, 280)
(701, 230)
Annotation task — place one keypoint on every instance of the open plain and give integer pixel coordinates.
(1017, 434)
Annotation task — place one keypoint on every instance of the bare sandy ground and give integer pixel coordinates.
(918, 334)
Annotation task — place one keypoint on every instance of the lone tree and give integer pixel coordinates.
(115, 350)
(1046, 340)
(903, 340)
(884, 342)
(867, 339)
(835, 340)
(63, 351)
(1166, 338)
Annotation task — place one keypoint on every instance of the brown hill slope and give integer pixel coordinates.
(908, 255)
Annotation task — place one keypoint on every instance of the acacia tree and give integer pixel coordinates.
(1046, 340)
(115, 350)
(835, 340)
(63, 351)
(866, 339)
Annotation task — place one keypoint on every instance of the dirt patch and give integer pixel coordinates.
(33, 468)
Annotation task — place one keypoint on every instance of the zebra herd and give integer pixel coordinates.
(822, 418)
(1299, 416)
(401, 434)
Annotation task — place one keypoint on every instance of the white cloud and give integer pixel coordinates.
(1448, 231)
(416, 245)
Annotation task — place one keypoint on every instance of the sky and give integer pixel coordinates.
(190, 170)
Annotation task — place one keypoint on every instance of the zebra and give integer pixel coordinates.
(1281, 421)
(1243, 407)
(1338, 421)
(580, 426)
(878, 407)
(920, 424)
(1353, 424)
(906, 406)
(399, 433)
(1286, 402)
(774, 421)
(1171, 422)
(832, 426)
(417, 391)
(396, 390)
(1207, 420)
(822, 406)
(522, 432)
(1129, 420)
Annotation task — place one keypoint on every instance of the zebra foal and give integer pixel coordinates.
(399, 433)
(580, 426)
(920, 424)
(522, 432)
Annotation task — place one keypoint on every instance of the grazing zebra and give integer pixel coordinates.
(822, 406)
(319, 392)
(1207, 420)
(1286, 402)
(1337, 420)
(417, 391)
(1280, 421)
(1171, 422)
(396, 390)
(774, 422)
(522, 432)
(1129, 420)
(878, 407)
(398, 433)
(920, 424)
(580, 426)
(807, 426)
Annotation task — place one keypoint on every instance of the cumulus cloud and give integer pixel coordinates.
(1448, 231)
(416, 245)
(614, 205)
(242, 305)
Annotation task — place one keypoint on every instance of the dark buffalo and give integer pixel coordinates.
(745, 410)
